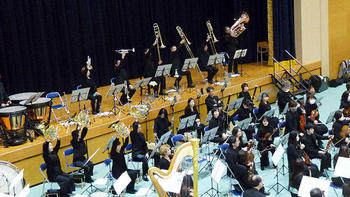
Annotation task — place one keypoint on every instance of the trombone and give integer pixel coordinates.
(187, 42)
(158, 36)
(212, 37)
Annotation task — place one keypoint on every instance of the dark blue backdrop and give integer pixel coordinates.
(44, 43)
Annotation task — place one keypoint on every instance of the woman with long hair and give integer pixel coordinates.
(161, 123)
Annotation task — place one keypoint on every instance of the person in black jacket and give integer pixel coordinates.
(345, 99)
(343, 152)
(217, 121)
(257, 185)
(119, 164)
(294, 151)
(177, 62)
(79, 150)
(203, 58)
(4, 99)
(340, 122)
(212, 101)
(231, 44)
(265, 137)
(244, 112)
(244, 93)
(283, 97)
(293, 117)
(165, 159)
(150, 70)
(121, 77)
(191, 108)
(265, 106)
(231, 153)
(161, 123)
(94, 96)
(300, 169)
(312, 148)
(310, 108)
(54, 171)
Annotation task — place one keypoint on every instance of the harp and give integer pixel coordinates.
(186, 149)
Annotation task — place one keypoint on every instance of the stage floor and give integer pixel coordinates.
(29, 153)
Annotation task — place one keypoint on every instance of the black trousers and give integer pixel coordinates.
(325, 160)
(186, 73)
(233, 64)
(133, 176)
(142, 158)
(88, 168)
(264, 159)
(66, 183)
(161, 85)
(211, 71)
(123, 98)
(95, 102)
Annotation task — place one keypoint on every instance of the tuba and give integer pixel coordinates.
(187, 42)
(211, 34)
(238, 27)
(186, 149)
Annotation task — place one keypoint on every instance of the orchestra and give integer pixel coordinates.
(302, 123)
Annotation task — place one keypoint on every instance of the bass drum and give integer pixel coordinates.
(7, 173)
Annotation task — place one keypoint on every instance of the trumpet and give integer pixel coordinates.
(125, 50)
(88, 63)
(212, 37)
(187, 42)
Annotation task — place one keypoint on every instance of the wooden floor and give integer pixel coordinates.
(29, 154)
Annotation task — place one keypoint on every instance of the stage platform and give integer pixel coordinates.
(28, 156)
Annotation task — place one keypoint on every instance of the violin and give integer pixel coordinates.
(329, 143)
(314, 115)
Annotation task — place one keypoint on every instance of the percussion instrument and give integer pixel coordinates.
(12, 120)
(16, 98)
(39, 110)
(7, 173)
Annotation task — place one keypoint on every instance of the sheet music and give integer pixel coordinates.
(277, 156)
(218, 171)
(121, 183)
(309, 183)
(172, 184)
(341, 168)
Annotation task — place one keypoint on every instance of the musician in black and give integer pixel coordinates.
(140, 151)
(257, 184)
(150, 70)
(232, 152)
(237, 132)
(265, 106)
(54, 171)
(161, 123)
(265, 137)
(295, 151)
(300, 169)
(310, 108)
(191, 108)
(165, 156)
(231, 44)
(245, 111)
(339, 135)
(345, 98)
(177, 62)
(212, 101)
(203, 58)
(313, 149)
(94, 96)
(218, 121)
(4, 99)
(283, 97)
(293, 117)
(245, 93)
(121, 76)
(79, 150)
(119, 165)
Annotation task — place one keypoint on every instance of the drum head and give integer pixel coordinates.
(12, 110)
(7, 173)
(21, 96)
(39, 101)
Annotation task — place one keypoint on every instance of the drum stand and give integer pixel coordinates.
(115, 106)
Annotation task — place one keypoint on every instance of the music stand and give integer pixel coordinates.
(167, 68)
(331, 117)
(109, 143)
(79, 95)
(163, 140)
(213, 133)
(239, 54)
(209, 116)
(187, 122)
(235, 104)
(215, 59)
(276, 158)
(269, 113)
(114, 90)
(190, 63)
(244, 124)
(261, 93)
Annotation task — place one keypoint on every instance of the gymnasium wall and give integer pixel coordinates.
(339, 34)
